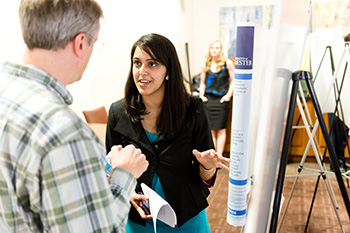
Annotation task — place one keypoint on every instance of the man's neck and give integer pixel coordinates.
(55, 63)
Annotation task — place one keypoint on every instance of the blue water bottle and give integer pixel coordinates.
(108, 166)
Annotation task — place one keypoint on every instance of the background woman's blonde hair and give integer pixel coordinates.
(221, 61)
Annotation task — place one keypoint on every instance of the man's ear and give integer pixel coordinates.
(78, 44)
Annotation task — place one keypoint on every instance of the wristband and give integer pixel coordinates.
(204, 167)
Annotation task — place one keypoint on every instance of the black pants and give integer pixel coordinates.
(339, 137)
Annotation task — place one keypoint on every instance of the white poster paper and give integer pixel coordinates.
(237, 196)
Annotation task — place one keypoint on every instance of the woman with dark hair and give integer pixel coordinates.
(161, 118)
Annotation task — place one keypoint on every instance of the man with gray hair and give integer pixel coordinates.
(52, 165)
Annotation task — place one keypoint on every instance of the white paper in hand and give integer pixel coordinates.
(159, 208)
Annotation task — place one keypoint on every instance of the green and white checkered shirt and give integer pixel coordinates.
(52, 165)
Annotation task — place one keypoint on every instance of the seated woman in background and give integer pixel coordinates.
(216, 90)
(170, 127)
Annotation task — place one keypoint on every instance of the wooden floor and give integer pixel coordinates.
(323, 216)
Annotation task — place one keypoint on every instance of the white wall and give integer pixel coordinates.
(195, 22)
(125, 22)
(11, 42)
(206, 21)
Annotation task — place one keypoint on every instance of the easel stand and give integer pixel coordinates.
(337, 93)
(322, 171)
(296, 77)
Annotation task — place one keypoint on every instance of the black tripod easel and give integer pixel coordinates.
(296, 77)
(338, 108)
(322, 172)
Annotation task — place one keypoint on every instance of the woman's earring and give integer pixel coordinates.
(166, 77)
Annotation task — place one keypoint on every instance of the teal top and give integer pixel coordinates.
(197, 224)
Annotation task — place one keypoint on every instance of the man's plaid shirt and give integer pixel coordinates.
(52, 176)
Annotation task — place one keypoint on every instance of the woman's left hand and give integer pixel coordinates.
(210, 159)
(135, 201)
(225, 98)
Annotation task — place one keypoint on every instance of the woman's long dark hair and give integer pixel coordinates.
(176, 112)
